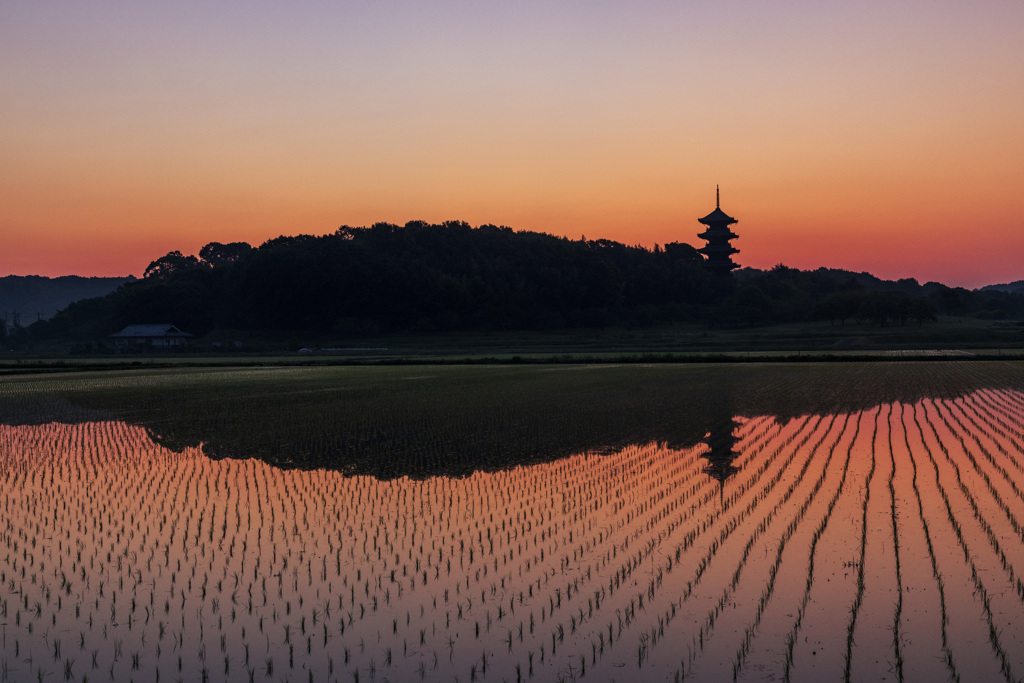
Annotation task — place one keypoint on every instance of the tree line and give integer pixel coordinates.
(424, 277)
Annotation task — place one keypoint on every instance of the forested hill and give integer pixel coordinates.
(388, 278)
(25, 298)
(452, 276)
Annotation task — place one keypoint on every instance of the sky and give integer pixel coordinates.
(870, 136)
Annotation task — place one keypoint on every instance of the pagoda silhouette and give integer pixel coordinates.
(721, 435)
(718, 252)
(721, 440)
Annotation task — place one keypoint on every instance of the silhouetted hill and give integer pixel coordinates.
(30, 297)
(388, 278)
(451, 277)
(1017, 286)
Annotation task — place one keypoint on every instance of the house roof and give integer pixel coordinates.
(143, 331)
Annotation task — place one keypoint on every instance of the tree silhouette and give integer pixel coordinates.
(216, 254)
(166, 266)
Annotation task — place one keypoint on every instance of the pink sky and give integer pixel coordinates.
(863, 136)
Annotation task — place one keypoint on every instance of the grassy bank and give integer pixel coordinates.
(950, 337)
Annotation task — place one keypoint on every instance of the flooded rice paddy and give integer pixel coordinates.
(878, 543)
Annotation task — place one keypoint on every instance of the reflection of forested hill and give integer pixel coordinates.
(29, 297)
(424, 421)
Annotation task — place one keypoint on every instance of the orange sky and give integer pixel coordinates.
(862, 137)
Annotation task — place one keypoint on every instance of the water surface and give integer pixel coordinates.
(880, 539)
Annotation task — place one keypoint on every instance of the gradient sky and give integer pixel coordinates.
(886, 137)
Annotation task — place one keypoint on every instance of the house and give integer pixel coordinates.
(162, 337)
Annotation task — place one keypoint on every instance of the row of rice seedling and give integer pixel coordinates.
(154, 566)
(751, 630)
(965, 535)
(793, 634)
(861, 562)
(921, 656)
(964, 476)
(768, 457)
(122, 559)
(898, 509)
(897, 624)
(806, 450)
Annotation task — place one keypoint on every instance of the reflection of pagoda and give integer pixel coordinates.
(721, 441)
(718, 251)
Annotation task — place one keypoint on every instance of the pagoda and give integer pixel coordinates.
(721, 440)
(718, 251)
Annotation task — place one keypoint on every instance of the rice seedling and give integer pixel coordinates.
(161, 559)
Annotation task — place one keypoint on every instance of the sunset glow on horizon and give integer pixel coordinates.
(868, 137)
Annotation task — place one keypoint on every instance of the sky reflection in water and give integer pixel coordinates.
(899, 524)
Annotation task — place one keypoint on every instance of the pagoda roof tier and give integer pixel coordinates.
(720, 233)
(717, 217)
(718, 249)
(721, 264)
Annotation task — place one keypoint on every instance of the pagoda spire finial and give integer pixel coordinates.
(718, 203)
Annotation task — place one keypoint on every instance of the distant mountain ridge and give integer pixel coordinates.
(1009, 287)
(862, 280)
(27, 298)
